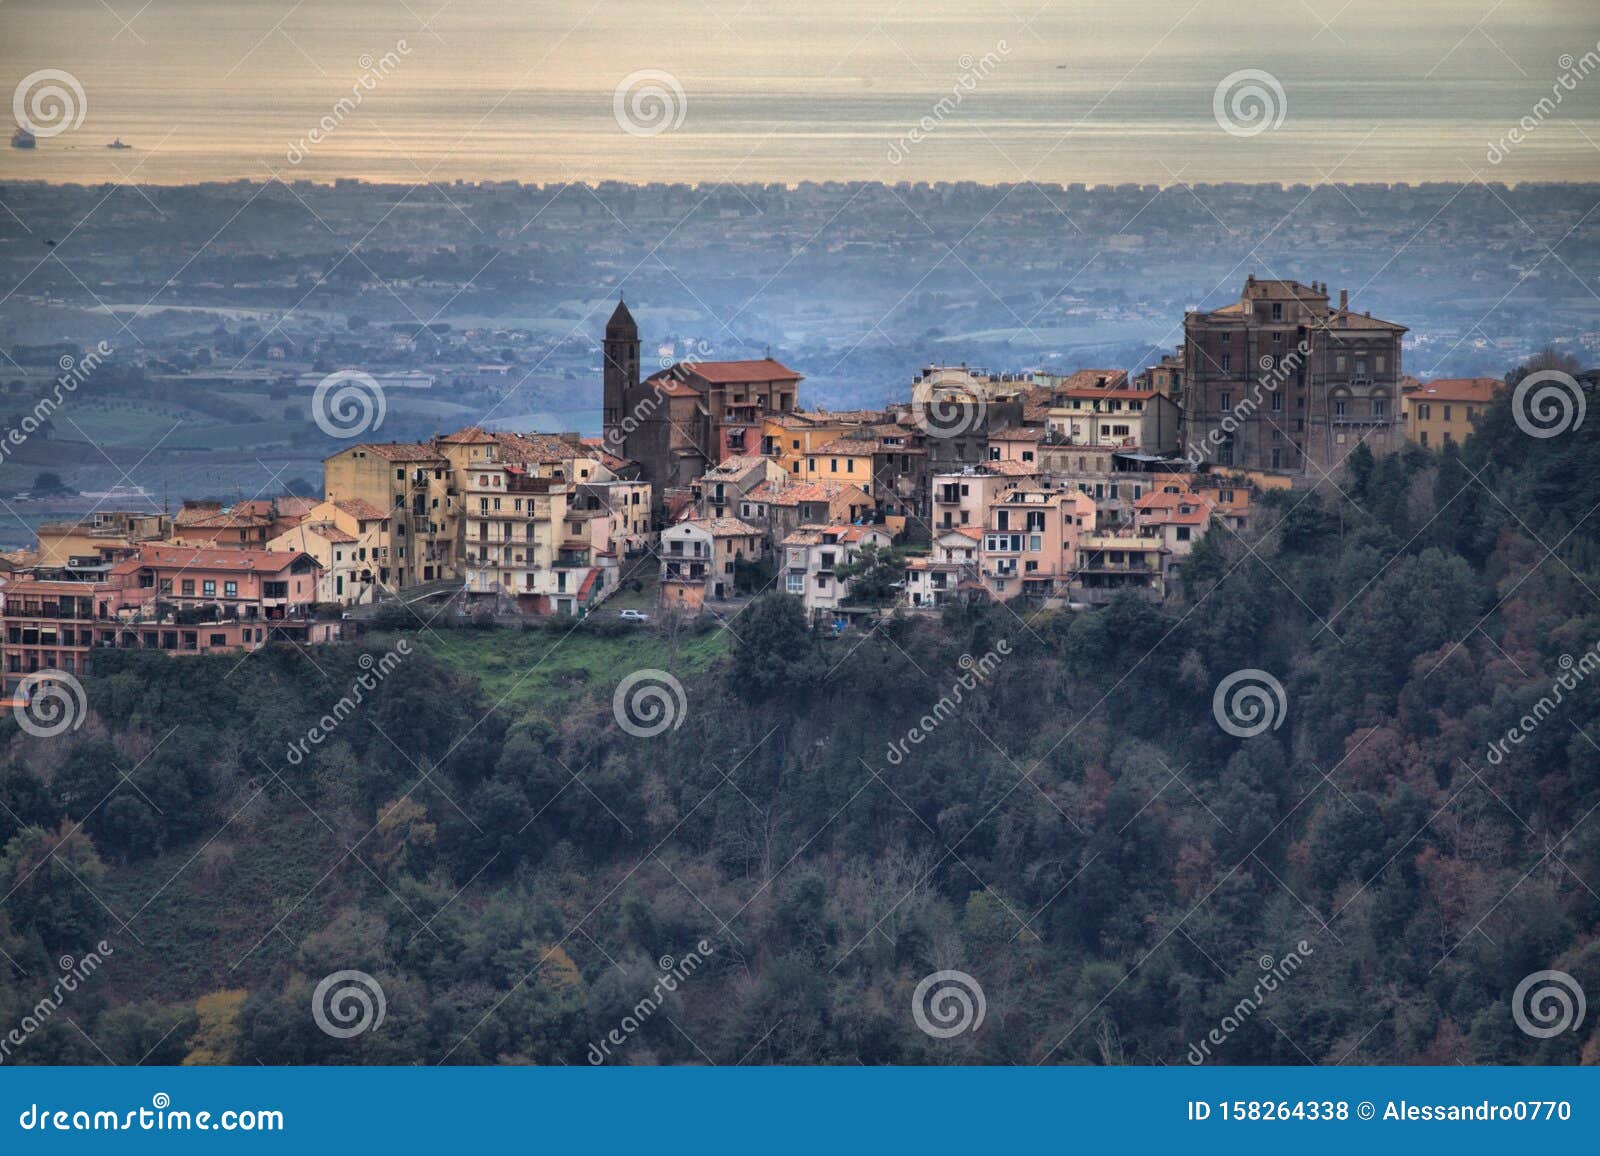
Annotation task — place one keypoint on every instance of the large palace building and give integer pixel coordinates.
(1280, 380)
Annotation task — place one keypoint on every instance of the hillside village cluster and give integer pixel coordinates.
(1057, 489)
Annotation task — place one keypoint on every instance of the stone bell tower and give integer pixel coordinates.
(621, 376)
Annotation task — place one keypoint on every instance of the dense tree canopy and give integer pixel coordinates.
(1043, 800)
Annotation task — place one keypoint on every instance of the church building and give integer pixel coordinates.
(689, 417)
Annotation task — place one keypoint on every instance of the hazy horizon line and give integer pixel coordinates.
(594, 182)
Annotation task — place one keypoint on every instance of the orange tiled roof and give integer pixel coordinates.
(724, 527)
(733, 372)
(401, 451)
(1096, 379)
(791, 495)
(257, 561)
(471, 435)
(848, 447)
(327, 531)
(1475, 389)
(360, 509)
(736, 464)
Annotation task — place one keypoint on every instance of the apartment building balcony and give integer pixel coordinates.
(481, 581)
(1099, 565)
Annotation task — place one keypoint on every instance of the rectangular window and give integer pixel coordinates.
(230, 589)
(188, 586)
(209, 588)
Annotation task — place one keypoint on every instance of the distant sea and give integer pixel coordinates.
(1023, 132)
(226, 89)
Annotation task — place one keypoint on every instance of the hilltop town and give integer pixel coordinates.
(713, 483)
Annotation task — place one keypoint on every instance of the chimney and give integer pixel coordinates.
(1344, 299)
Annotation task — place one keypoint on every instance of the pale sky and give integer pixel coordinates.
(779, 90)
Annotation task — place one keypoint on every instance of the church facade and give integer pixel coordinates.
(691, 416)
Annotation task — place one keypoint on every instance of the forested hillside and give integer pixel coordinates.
(1046, 802)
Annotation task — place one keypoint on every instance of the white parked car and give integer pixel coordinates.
(634, 616)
